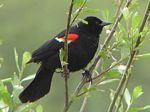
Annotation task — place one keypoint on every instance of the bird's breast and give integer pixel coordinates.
(81, 53)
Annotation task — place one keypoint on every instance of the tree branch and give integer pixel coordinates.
(126, 77)
(65, 67)
(119, 3)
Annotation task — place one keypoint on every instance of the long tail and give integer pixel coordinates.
(39, 87)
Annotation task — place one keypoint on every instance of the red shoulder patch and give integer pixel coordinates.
(71, 37)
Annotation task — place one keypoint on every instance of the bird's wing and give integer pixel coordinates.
(51, 47)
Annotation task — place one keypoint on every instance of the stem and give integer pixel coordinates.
(126, 77)
(83, 107)
(65, 67)
(77, 90)
(79, 11)
(122, 93)
(7, 80)
(119, 3)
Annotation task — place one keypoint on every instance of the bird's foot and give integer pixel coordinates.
(88, 75)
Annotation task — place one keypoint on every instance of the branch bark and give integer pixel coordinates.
(65, 67)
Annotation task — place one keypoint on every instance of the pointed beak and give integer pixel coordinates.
(105, 23)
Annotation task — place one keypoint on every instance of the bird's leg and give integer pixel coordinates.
(88, 75)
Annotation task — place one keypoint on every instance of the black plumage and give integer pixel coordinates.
(83, 38)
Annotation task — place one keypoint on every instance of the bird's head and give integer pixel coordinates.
(94, 25)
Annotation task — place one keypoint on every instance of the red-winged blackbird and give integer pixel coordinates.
(83, 40)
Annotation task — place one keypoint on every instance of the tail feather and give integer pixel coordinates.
(39, 87)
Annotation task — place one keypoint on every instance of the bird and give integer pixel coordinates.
(83, 41)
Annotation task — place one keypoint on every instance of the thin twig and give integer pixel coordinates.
(65, 67)
(126, 77)
(79, 11)
(77, 90)
(108, 69)
(119, 3)
(83, 106)
(121, 95)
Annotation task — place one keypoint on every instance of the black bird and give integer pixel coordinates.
(83, 40)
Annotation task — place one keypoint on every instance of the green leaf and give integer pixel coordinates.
(126, 13)
(17, 89)
(30, 77)
(134, 5)
(135, 20)
(108, 81)
(113, 73)
(106, 14)
(3, 106)
(127, 97)
(88, 89)
(5, 97)
(137, 92)
(25, 107)
(146, 55)
(121, 69)
(111, 95)
(139, 109)
(74, 98)
(90, 10)
(1, 5)
(16, 60)
(7, 80)
(26, 58)
(125, 50)
(78, 2)
(122, 32)
(61, 57)
(16, 80)
(39, 108)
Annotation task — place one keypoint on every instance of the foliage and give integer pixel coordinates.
(125, 38)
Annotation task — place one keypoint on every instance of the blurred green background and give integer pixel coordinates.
(26, 24)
